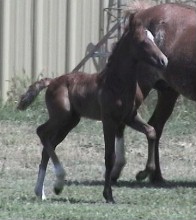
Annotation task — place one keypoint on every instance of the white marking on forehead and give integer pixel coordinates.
(150, 36)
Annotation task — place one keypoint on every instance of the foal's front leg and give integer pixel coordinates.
(119, 159)
(109, 128)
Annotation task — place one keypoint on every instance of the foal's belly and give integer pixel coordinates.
(87, 106)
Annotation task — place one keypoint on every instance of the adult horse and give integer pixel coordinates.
(108, 96)
(174, 29)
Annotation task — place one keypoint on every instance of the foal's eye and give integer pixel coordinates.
(143, 44)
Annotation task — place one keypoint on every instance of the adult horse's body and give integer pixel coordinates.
(174, 29)
(108, 96)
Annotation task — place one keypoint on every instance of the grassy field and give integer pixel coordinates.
(82, 155)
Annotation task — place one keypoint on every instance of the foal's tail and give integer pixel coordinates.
(29, 96)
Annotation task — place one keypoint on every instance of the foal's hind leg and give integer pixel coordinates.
(47, 135)
(51, 134)
(140, 125)
(39, 188)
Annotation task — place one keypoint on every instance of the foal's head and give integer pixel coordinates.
(142, 43)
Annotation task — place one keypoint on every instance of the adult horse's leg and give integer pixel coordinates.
(163, 110)
(109, 128)
(165, 104)
(51, 135)
(119, 158)
(140, 125)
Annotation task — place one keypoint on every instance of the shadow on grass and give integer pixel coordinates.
(34, 199)
(135, 184)
(74, 201)
(122, 183)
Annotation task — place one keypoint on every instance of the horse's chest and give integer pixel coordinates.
(184, 82)
(123, 106)
(116, 104)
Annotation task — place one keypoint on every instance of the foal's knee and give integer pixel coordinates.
(40, 131)
(151, 133)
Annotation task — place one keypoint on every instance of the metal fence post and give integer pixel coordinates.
(37, 42)
(5, 53)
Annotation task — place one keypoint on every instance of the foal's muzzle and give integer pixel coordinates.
(163, 62)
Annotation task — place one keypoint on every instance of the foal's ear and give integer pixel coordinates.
(131, 20)
(136, 27)
(135, 23)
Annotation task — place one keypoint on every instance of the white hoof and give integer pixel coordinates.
(40, 193)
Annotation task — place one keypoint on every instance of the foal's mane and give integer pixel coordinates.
(106, 71)
(132, 8)
(115, 49)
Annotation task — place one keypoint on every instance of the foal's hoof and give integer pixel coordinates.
(142, 175)
(41, 197)
(57, 191)
(110, 201)
(156, 179)
(108, 197)
(58, 187)
(40, 193)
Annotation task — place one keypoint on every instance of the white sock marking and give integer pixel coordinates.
(39, 188)
(60, 175)
(120, 151)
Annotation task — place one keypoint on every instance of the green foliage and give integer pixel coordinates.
(182, 119)
(36, 113)
(18, 85)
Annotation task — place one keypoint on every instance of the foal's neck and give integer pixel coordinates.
(119, 71)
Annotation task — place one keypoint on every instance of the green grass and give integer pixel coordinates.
(37, 112)
(82, 155)
(86, 202)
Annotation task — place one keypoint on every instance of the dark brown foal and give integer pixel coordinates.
(108, 96)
